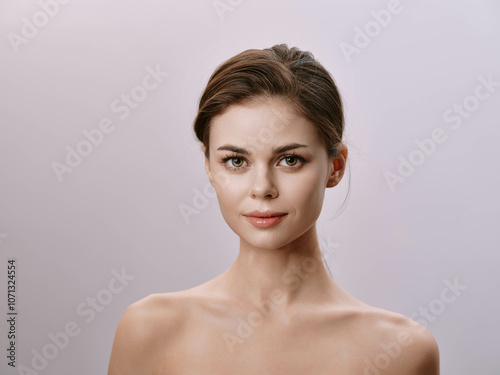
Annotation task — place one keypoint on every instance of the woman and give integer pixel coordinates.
(271, 123)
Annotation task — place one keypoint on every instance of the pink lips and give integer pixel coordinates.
(264, 219)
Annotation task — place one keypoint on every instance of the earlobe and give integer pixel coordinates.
(337, 167)
(336, 164)
(334, 174)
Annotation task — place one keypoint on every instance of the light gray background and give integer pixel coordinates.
(120, 208)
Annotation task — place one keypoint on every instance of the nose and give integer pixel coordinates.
(263, 185)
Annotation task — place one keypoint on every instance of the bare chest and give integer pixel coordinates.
(245, 348)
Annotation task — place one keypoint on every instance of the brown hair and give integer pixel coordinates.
(280, 72)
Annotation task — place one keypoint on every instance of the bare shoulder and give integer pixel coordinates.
(398, 344)
(141, 332)
(152, 315)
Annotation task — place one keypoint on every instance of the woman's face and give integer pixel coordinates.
(249, 174)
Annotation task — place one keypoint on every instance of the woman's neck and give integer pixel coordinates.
(286, 276)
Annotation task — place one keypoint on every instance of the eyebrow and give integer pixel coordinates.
(276, 150)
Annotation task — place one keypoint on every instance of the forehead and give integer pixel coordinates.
(262, 123)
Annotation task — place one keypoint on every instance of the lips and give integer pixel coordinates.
(264, 219)
(264, 214)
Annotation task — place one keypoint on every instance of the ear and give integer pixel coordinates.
(207, 165)
(337, 166)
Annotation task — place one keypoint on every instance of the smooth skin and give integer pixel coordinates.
(276, 310)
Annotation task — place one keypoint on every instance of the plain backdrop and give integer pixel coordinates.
(420, 84)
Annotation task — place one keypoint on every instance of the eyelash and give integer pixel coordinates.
(301, 159)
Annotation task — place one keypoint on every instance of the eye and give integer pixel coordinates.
(292, 158)
(293, 161)
(236, 162)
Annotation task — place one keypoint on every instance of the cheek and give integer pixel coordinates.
(309, 192)
(229, 194)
